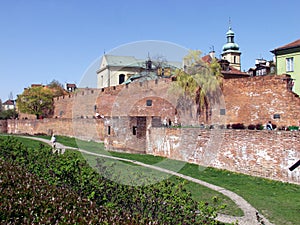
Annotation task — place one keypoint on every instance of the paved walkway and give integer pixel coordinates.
(250, 213)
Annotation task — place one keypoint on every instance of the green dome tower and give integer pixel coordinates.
(231, 51)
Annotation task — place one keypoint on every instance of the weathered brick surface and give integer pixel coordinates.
(260, 153)
(246, 100)
(256, 99)
(3, 126)
(77, 105)
(87, 129)
(123, 100)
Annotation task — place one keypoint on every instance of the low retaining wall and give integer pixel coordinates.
(259, 153)
(264, 153)
(86, 129)
(3, 126)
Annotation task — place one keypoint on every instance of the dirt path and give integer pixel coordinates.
(250, 213)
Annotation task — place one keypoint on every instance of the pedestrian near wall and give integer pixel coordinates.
(53, 141)
(269, 126)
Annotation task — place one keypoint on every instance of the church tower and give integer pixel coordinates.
(231, 51)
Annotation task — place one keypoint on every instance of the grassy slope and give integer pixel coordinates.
(199, 192)
(278, 201)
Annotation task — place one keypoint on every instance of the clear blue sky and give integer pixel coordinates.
(42, 40)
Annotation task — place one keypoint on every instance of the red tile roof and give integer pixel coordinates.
(9, 102)
(71, 85)
(235, 71)
(232, 72)
(207, 58)
(290, 45)
(36, 85)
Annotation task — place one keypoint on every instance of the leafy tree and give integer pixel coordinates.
(57, 88)
(198, 82)
(8, 114)
(36, 100)
(0, 105)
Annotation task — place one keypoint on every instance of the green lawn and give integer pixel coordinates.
(278, 201)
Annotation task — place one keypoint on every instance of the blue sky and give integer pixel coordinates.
(42, 40)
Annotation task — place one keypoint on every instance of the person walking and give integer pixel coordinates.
(53, 141)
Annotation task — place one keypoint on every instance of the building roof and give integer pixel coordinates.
(288, 46)
(36, 85)
(230, 46)
(131, 61)
(143, 76)
(230, 73)
(233, 73)
(207, 59)
(123, 61)
(174, 64)
(71, 85)
(9, 102)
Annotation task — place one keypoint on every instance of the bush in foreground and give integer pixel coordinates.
(79, 191)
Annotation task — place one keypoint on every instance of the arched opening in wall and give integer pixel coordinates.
(121, 78)
(234, 59)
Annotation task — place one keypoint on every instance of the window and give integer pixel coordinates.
(222, 112)
(272, 69)
(149, 102)
(289, 64)
(258, 72)
(134, 130)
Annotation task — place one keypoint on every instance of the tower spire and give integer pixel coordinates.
(231, 50)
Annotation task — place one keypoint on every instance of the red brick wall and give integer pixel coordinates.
(76, 105)
(3, 126)
(247, 100)
(259, 153)
(123, 100)
(87, 129)
(256, 99)
(250, 100)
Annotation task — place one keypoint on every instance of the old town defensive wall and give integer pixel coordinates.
(129, 118)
